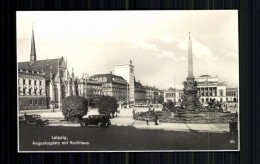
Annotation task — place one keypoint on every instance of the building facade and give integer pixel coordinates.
(232, 95)
(31, 89)
(210, 88)
(112, 85)
(89, 88)
(127, 72)
(151, 94)
(173, 94)
(140, 93)
(49, 78)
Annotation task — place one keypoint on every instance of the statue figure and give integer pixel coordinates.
(195, 83)
(184, 83)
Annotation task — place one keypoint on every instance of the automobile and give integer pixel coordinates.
(98, 120)
(35, 119)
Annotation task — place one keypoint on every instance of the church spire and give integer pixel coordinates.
(190, 60)
(33, 51)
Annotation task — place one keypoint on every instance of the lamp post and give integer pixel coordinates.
(85, 76)
(150, 96)
(127, 105)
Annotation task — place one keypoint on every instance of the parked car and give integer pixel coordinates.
(98, 120)
(35, 119)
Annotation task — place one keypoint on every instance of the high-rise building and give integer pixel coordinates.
(127, 72)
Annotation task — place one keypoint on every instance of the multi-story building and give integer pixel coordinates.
(39, 78)
(210, 88)
(151, 94)
(140, 93)
(127, 72)
(231, 95)
(88, 88)
(173, 94)
(113, 85)
(31, 89)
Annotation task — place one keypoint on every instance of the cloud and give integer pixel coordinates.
(167, 53)
(167, 40)
(199, 50)
(182, 58)
(144, 45)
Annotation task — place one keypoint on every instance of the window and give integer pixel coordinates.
(40, 91)
(35, 82)
(31, 102)
(24, 91)
(35, 91)
(221, 92)
(40, 82)
(30, 91)
(30, 81)
(23, 81)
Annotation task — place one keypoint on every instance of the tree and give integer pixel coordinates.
(169, 106)
(107, 105)
(74, 108)
(160, 99)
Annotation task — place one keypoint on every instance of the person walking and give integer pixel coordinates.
(156, 118)
(133, 113)
(147, 120)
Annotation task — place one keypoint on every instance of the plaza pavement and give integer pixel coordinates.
(124, 118)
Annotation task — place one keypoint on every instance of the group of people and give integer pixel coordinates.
(147, 119)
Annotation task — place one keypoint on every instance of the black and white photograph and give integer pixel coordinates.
(127, 81)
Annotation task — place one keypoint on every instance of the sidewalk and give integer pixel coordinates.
(125, 119)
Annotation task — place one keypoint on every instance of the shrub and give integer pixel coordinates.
(107, 105)
(74, 108)
(170, 106)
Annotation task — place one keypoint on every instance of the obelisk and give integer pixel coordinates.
(190, 60)
(190, 101)
(190, 105)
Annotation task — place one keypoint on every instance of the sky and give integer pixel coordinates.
(156, 42)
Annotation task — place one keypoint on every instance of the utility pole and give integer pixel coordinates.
(208, 86)
(174, 89)
(85, 76)
(127, 106)
(150, 95)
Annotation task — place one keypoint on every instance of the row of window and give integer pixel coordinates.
(36, 102)
(90, 86)
(170, 94)
(30, 82)
(32, 91)
(231, 93)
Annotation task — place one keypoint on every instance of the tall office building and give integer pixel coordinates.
(127, 72)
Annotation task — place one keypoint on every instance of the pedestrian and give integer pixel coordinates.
(147, 120)
(133, 113)
(156, 119)
(52, 107)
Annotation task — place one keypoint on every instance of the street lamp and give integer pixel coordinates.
(150, 95)
(85, 76)
(127, 106)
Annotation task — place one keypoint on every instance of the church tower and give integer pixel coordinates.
(33, 51)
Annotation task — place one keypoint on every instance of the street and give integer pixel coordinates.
(125, 134)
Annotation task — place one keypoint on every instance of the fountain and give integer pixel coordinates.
(190, 106)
